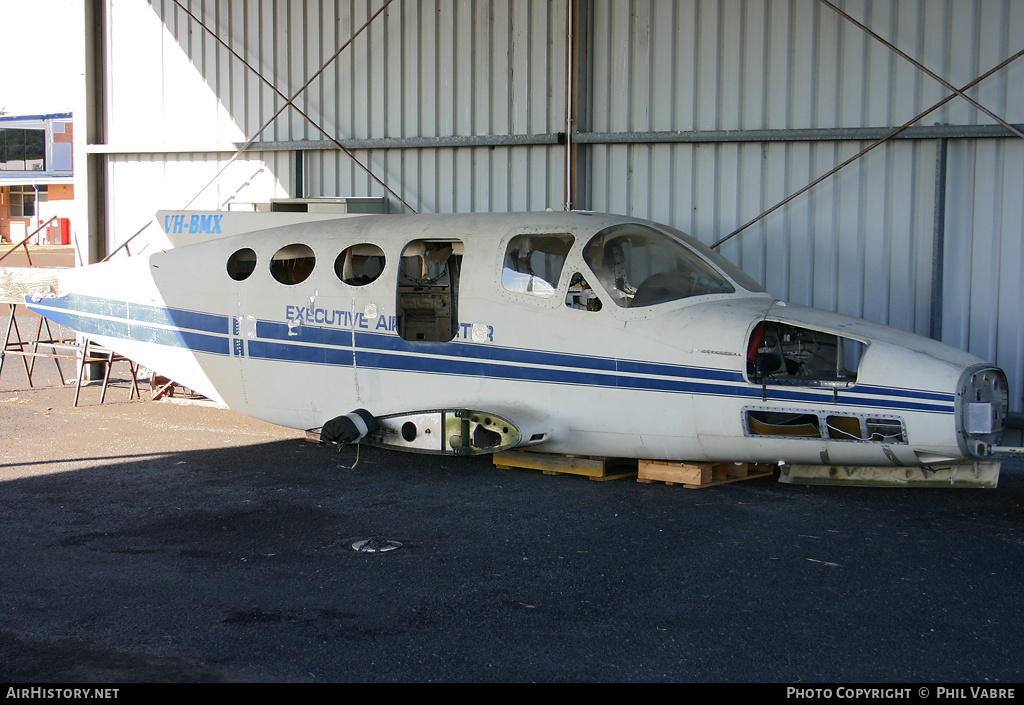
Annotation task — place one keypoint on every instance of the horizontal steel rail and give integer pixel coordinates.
(826, 134)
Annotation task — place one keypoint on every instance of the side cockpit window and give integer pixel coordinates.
(428, 290)
(641, 266)
(580, 295)
(533, 264)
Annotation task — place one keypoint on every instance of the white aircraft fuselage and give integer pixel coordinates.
(589, 334)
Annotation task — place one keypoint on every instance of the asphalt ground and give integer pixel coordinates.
(160, 542)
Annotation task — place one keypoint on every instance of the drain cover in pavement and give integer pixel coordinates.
(376, 545)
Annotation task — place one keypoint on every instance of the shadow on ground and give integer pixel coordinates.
(160, 543)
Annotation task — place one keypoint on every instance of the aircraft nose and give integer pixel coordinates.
(984, 400)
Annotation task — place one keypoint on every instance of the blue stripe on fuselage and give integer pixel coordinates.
(209, 333)
(96, 316)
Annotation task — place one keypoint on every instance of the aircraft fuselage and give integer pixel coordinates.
(592, 334)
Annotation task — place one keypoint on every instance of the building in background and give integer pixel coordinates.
(36, 181)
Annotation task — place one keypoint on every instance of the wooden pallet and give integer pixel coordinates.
(697, 475)
(594, 468)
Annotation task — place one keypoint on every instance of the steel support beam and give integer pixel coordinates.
(833, 134)
(90, 169)
(448, 142)
(578, 77)
(848, 134)
(938, 241)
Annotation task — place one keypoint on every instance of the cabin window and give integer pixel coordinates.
(533, 263)
(360, 265)
(293, 264)
(580, 295)
(241, 264)
(428, 290)
(780, 353)
(640, 266)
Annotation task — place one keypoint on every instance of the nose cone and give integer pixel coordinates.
(953, 404)
(983, 402)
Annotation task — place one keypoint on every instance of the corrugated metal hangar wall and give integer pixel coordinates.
(702, 114)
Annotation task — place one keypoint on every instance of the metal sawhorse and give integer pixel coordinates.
(86, 353)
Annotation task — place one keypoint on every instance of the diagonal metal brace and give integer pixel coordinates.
(870, 147)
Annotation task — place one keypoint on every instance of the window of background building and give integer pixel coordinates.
(23, 200)
(22, 149)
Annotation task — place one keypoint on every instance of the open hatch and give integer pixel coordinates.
(785, 354)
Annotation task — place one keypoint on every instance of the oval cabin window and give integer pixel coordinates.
(242, 264)
(360, 265)
(293, 264)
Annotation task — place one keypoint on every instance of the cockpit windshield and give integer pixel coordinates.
(641, 266)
